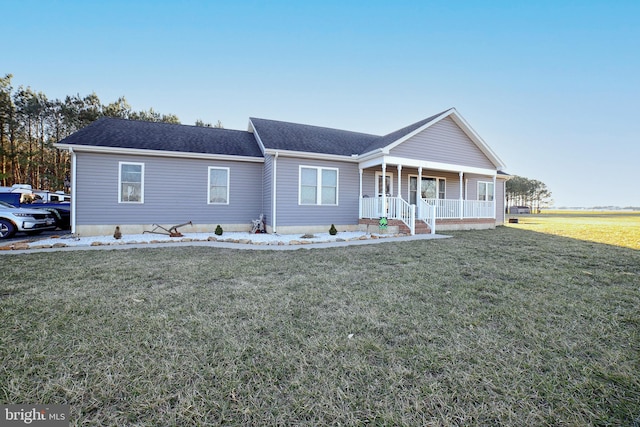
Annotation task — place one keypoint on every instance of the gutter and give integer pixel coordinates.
(157, 153)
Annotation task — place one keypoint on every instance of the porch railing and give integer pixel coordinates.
(427, 213)
(478, 209)
(392, 208)
(427, 210)
(446, 208)
(455, 208)
(371, 207)
(400, 209)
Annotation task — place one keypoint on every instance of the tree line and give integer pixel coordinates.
(521, 191)
(30, 123)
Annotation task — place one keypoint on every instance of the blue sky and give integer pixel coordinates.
(552, 86)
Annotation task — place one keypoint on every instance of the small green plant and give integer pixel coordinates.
(218, 230)
(333, 230)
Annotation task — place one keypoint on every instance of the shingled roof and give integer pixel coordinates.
(273, 134)
(278, 135)
(120, 133)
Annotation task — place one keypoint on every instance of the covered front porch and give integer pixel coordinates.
(426, 210)
(437, 195)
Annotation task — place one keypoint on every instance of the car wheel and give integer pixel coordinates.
(7, 229)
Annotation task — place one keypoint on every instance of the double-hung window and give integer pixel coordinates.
(218, 186)
(485, 191)
(131, 182)
(430, 188)
(318, 186)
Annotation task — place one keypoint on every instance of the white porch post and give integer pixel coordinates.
(419, 192)
(383, 190)
(399, 181)
(360, 196)
(461, 196)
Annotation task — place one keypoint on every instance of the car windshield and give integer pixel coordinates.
(6, 205)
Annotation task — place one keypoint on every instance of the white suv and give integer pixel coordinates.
(31, 221)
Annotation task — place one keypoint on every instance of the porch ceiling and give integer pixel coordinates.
(414, 163)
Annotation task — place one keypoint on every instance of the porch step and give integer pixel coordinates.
(421, 226)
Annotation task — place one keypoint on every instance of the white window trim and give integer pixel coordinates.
(389, 178)
(120, 164)
(487, 192)
(319, 170)
(209, 202)
(437, 178)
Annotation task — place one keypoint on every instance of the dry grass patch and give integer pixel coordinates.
(501, 327)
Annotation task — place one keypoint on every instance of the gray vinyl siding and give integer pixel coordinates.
(175, 191)
(443, 142)
(290, 213)
(368, 183)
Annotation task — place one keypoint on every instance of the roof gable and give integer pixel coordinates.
(392, 140)
(443, 142)
(133, 134)
(401, 134)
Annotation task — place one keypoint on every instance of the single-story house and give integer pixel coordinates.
(437, 173)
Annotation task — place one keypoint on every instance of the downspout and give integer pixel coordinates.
(273, 204)
(73, 190)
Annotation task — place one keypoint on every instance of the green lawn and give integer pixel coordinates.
(504, 327)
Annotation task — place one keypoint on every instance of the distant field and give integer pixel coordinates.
(610, 227)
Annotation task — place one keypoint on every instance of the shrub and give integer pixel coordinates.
(333, 230)
(218, 230)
